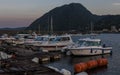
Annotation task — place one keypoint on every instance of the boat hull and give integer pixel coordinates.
(52, 48)
(91, 51)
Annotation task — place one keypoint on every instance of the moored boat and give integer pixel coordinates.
(88, 46)
(56, 44)
(6, 39)
(37, 40)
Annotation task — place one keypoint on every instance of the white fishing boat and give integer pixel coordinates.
(56, 44)
(24, 38)
(39, 40)
(6, 38)
(88, 46)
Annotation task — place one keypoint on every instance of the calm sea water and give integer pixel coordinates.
(113, 68)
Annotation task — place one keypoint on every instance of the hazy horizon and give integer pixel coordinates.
(21, 13)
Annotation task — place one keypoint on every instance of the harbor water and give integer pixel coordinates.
(113, 68)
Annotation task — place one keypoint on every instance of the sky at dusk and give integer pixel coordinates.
(20, 13)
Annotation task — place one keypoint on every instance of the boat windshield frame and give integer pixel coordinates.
(60, 39)
(42, 39)
(88, 43)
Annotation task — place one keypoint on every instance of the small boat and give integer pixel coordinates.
(6, 39)
(39, 40)
(56, 44)
(21, 39)
(88, 47)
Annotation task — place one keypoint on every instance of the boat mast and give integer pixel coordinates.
(48, 24)
(91, 27)
(39, 29)
(51, 25)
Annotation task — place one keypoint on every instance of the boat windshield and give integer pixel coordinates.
(58, 39)
(89, 43)
(41, 39)
(51, 39)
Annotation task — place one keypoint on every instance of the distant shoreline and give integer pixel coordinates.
(13, 32)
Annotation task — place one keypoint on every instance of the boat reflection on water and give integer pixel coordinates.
(94, 71)
(77, 59)
(97, 70)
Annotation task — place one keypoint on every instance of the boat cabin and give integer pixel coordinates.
(89, 42)
(63, 39)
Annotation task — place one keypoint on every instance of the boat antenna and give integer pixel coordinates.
(91, 27)
(39, 28)
(51, 27)
(48, 24)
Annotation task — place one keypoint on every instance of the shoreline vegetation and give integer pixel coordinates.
(12, 32)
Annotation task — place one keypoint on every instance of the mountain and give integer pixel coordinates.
(11, 31)
(107, 21)
(69, 17)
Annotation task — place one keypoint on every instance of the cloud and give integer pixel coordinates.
(116, 4)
